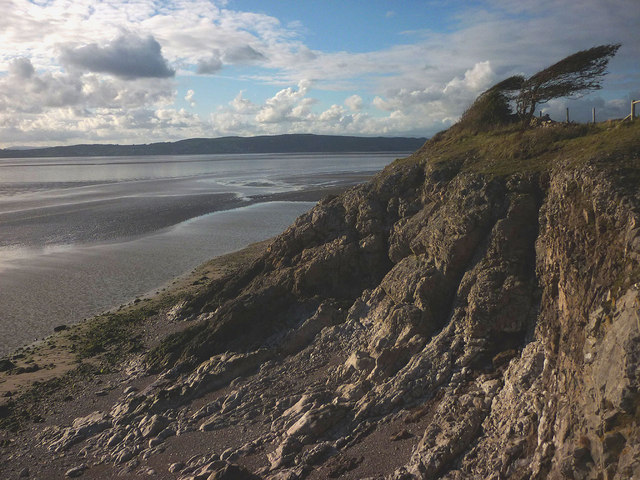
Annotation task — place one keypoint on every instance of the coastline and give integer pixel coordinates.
(66, 285)
(85, 344)
(86, 367)
(64, 351)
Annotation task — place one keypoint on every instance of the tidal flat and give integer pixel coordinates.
(79, 236)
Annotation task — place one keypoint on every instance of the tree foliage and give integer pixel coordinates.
(492, 107)
(576, 74)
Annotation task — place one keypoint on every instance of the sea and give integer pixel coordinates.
(79, 236)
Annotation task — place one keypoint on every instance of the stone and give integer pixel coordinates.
(495, 314)
(76, 471)
(152, 425)
(155, 441)
(123, 456)
(284, 453)
(401, 435)
(129, 389)
(232, 472)
(81, 428)
(316, 421)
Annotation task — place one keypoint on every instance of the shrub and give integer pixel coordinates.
(493, 107)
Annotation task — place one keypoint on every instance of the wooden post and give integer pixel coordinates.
(632, 115)
(567, 114)
(593, 115)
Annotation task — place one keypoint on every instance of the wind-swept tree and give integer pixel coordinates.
(576, 74)
(493, 106)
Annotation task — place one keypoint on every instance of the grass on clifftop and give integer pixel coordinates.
(510, 149)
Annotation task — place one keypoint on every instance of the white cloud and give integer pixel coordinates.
(354, 102)
(334, 114)
(21, 68)
(287, 104)
(475, 80)
(209, 65)
(418, 87)
(189, 97)
(243, 105)
(242, 54)
(291, 110)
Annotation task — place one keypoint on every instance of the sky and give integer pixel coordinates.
(142, 71)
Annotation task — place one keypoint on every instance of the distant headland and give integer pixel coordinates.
(292, 143)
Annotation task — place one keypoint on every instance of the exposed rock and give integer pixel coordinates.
(401, 435)
(497, 314)
(129, 390)
(81, 428)
(76, 471)
(151, 425)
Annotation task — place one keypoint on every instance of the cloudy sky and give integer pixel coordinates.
(140, 71)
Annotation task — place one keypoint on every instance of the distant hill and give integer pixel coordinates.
(295, 143)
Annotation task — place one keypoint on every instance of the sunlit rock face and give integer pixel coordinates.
(434, 323)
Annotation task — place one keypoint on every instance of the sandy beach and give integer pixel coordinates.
(57, 353)
(85, 366)
(78, 236)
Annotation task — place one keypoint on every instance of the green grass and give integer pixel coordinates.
(507, 150)
(112, 333)
(117, 333)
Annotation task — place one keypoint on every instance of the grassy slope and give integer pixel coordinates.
(508, 150)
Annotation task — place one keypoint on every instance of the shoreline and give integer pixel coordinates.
(116, 272)
(61, 352)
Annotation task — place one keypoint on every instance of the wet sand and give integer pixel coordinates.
(78, 238)
(63, 285)
(54, 355)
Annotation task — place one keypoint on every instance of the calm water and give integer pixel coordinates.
(79, 236)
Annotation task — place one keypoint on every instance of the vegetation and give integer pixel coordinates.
(508, 149)
(30, 406)
(112, 334)
(492, 108)
(99, 345)
(578, 73)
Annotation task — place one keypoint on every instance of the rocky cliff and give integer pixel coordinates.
(470, 313)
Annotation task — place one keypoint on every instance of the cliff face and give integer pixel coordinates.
(434, 323)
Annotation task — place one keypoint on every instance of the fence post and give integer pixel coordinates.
(633, 109)
(567, 114)
(593, 116)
